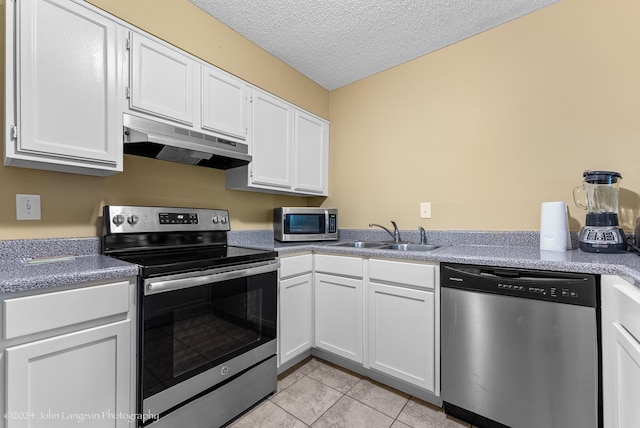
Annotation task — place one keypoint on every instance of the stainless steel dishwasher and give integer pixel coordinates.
(520, 348)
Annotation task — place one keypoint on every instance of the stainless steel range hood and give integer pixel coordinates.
(148, 138)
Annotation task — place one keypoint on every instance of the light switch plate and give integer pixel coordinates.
(425, 209)
(28, 207)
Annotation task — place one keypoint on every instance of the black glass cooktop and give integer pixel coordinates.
(170, 261)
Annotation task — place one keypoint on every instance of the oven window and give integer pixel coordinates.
(304, 223)
(191, 330)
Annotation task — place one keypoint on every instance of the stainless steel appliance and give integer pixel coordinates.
(152, 139)
(520, 348)
(206, 314)
(295, 224)
(601, 233)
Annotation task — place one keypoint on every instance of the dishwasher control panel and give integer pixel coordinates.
(559, 287)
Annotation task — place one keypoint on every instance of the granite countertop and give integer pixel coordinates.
(79, 260)
(18, 275)
(46, 263)
(518, 250)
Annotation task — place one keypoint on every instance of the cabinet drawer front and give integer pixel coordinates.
(347, 266)
(418, 275)
(33, 314)
(295, 265)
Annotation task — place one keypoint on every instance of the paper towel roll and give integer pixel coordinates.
(554, 227)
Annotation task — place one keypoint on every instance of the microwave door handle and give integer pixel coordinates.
(155, 287)
(326, 222)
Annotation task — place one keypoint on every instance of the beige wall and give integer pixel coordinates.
(72, 203)
(490, 127)
(485, 129)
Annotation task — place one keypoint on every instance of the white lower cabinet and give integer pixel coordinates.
(296, 307)
(382, 315)
(66, 379)
(401, 328)
(78, 369)
(620, 352)
(339, 306)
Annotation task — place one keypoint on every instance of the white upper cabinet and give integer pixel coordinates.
(72, 70)
(224, 100)
(311, 153)
(167, 83)
(64, 66)
(164, 82)
(290, 149)
(271, 140)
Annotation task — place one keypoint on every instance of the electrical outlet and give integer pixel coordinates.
(28, 207)
(425, 209)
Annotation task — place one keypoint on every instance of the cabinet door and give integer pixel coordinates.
(271, 139)
(223, 103)
(338, 316)
(626, 379)
(164, 82)
(620, 352)
(296, 316)
(67, 80)
(401, 333)
(311, 153)
(55, 382)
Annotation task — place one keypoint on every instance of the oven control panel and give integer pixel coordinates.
(178, 218)
(138, 219)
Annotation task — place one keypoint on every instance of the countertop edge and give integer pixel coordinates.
(625, 265)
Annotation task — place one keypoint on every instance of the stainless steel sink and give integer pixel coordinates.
(359, 244)
(410, 247)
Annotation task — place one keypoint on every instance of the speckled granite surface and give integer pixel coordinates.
(509, 249)
(84, 264)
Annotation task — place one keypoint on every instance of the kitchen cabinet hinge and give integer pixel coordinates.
(127, 92)
(127, 43)
(14, 132)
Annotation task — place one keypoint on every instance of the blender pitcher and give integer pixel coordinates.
(599, 196)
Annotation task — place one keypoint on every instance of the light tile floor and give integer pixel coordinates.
(318, 394)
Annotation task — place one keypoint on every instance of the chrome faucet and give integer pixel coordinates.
(396, 233)
(423, 235)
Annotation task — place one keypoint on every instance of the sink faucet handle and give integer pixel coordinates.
(423, 235)
(396, 232)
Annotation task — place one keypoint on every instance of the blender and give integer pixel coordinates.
(601, 233)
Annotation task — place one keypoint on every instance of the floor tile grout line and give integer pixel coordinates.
(342, 394)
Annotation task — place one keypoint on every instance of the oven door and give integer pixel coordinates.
(199, 330)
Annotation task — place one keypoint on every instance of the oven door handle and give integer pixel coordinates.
(154, 287)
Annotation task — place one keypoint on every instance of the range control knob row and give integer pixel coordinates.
(119, 219)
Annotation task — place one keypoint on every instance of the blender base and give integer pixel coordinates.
(608, 239)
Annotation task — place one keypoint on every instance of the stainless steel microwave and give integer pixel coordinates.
(292, 224)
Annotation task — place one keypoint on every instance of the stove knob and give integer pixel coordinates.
(224, 219)
(118, 219)
(215, 219)
(132, 219)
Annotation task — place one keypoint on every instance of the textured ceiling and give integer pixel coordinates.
(336, 42)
